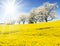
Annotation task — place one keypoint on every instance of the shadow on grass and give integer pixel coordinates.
(9, 32)
(44, 28)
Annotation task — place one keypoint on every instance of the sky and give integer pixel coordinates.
(27, 5)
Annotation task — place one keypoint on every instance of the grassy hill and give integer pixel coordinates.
(41, 34)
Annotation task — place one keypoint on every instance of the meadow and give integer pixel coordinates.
(40, 34)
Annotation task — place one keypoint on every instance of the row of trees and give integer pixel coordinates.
(43, 13)
(46, 12)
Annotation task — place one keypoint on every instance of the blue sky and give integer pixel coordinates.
(29, 4)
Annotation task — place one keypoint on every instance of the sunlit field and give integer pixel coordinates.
(41, 34)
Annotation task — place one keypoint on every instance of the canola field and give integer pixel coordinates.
(40, 34)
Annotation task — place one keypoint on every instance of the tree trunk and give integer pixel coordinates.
(46, 19)
(31, 22)
(19, 22)
(35, 21)
(23, 22)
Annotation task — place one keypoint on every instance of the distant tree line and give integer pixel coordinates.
(43, 13)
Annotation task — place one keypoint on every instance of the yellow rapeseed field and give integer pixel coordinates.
(40, 34)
